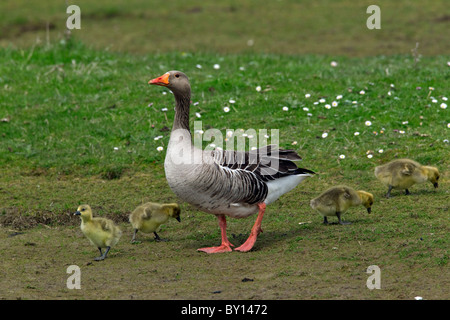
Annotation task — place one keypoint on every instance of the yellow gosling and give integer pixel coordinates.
(149, 216)
(101, 232)
(336, 200)
(403, 173)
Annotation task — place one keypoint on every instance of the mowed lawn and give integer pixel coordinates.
(83, 126)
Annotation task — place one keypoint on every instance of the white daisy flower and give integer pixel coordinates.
(342, 156)
(431, 88)
(159, 149)
(444, 98)
(370, 156)
(392, 85)
(305, 109)
(316, 103)
(164, 109)
(116, 148)
(198, 66)
(164, 92)
(229, 134)
(339, 97)
(448, 125)
(198, 115)
(241, 68)
(355, 102)
(334, 104)
(402, 132)
(324, 135)
(327, 106)
(294, 143)
(285, 108)
(368, 123)
(226, 109)
(232, 101)
(322, 100)
(356, 133)
(380, 151)
(443, 106)
(307, 95)
(362, 92)
(216, 66)
(405, 122)
(258, 88)
(434, 101)
(309, 114)
(389, 93)
(333, 63)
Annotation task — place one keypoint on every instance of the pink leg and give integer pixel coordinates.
(256, 230)
(226, 245)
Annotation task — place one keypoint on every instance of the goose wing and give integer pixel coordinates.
(266, 163)
(244, 176)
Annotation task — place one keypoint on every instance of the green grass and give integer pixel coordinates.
(284, 26)
(79, 111)
(78, 126)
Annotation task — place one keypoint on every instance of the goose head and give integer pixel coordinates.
(84, 211)
(366, 200)
(176, 81)
(432, 175)
(173, 210)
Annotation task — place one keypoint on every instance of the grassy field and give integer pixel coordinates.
(234, 26)
(80, 124)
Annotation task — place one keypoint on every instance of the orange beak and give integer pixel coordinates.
(161, 81)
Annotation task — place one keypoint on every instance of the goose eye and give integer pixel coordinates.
(177, 75)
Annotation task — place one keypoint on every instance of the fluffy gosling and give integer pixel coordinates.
(336, 200)
(403, 173)
(101, 232)
(149, 216)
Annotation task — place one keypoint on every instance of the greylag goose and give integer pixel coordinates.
(336, 200)
(403, 173)
(223, 182)
(101, 232)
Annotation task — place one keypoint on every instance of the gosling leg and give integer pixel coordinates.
(325, 220)
(103, 256)
(338, 214)
(388, 194)
(407, 193)
(134, 236)
(157, 238)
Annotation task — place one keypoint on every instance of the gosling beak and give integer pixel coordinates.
(78, 213)
(178, 219)
(369, 210)
(161, 81)
(435, 184)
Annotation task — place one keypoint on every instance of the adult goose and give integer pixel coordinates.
(224, 183)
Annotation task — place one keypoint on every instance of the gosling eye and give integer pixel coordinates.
(177, 75)
(83, 209)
